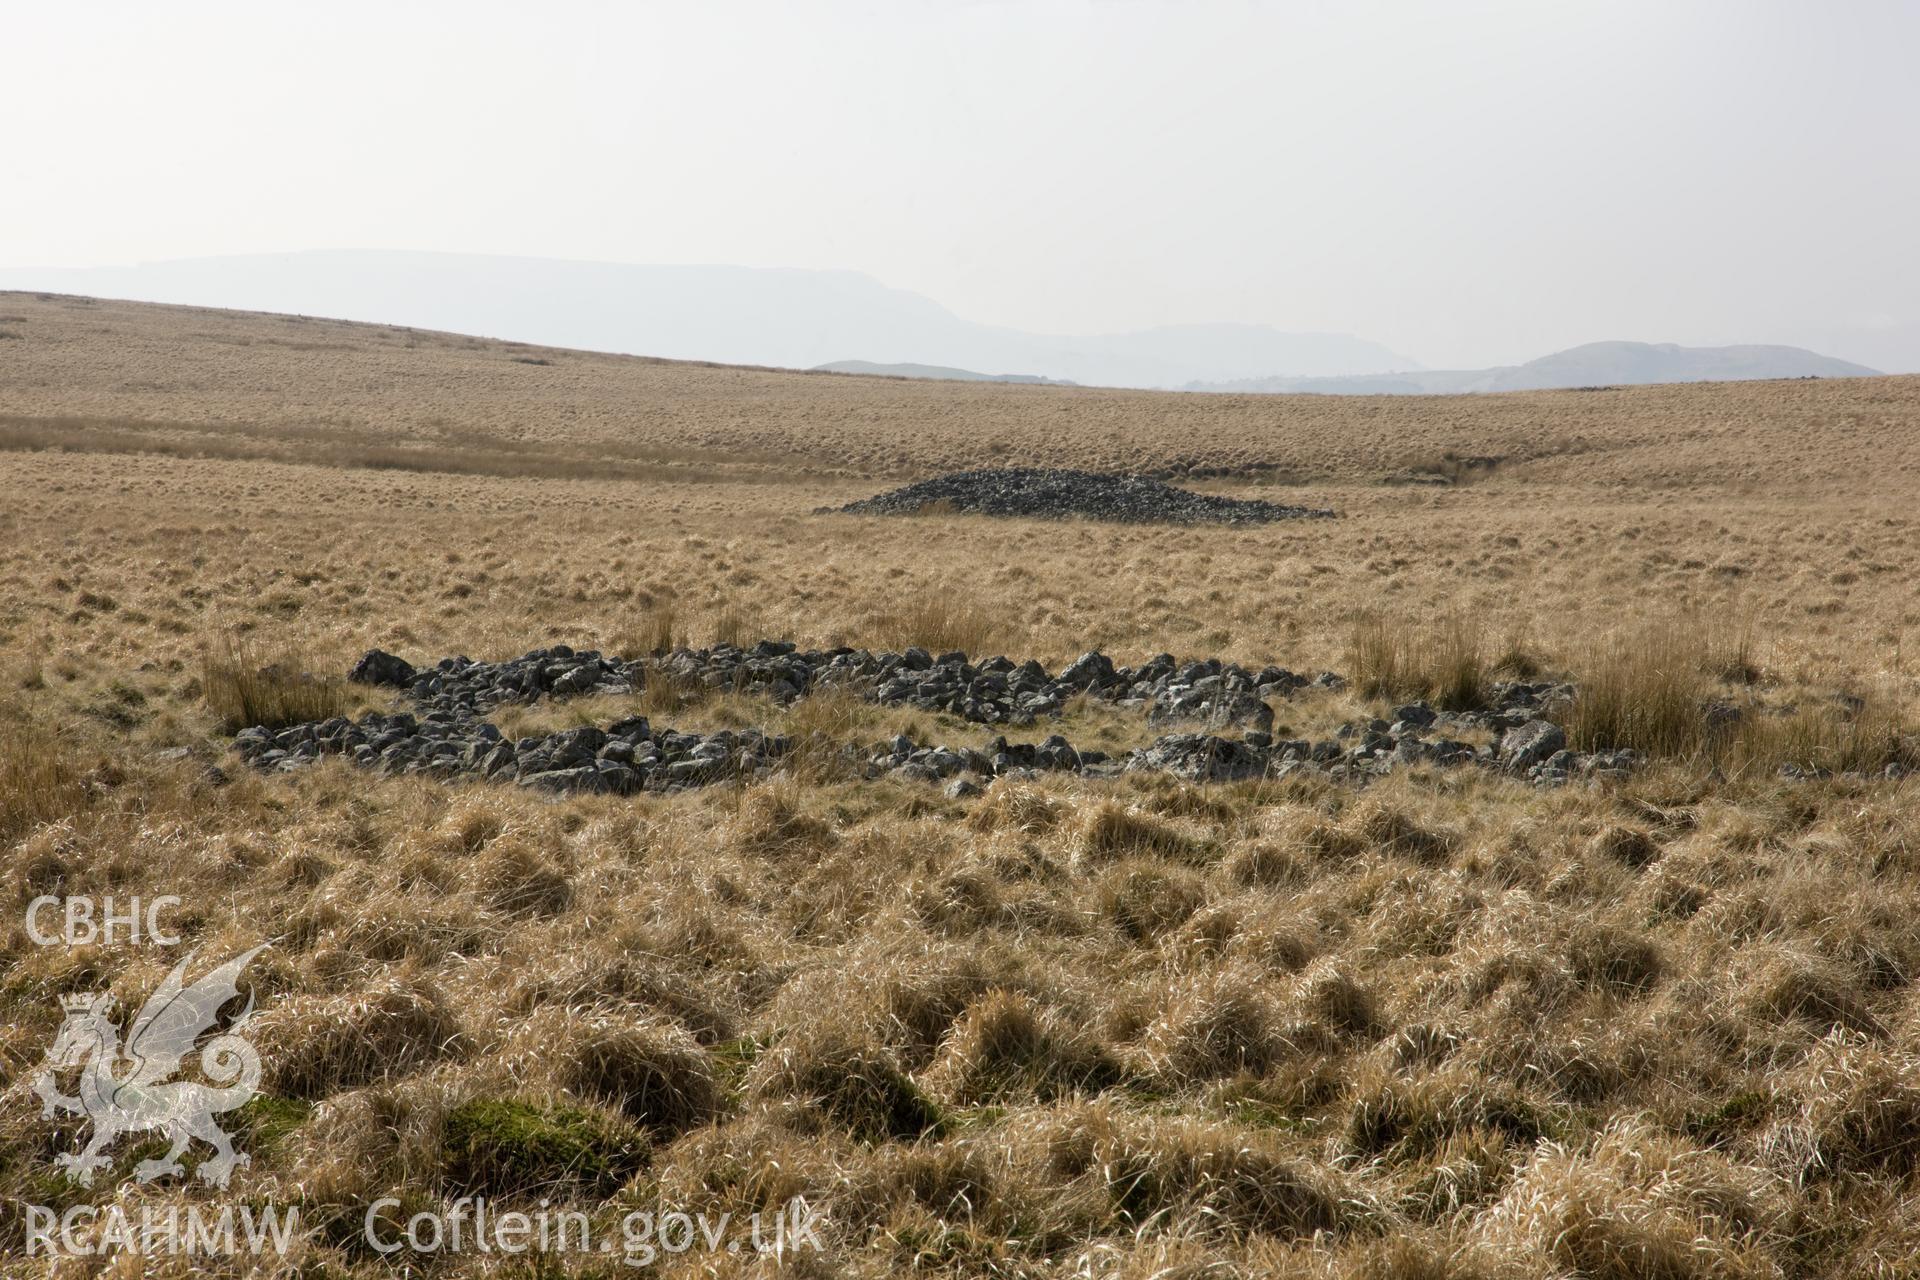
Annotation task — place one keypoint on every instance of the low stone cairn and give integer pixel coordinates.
(1224, 709)
(1046, 493)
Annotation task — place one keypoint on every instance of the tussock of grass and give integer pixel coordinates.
(773, 822)
(941, 1204)
(1624, 962)
(1316, 839)
(1012, 805)
(1829, 737)
(960, 901)
(626, 971)
(1005, 1048)
(39, 778)
(1629, 845)
(244, 689)
(1144, 899)
(832, 712)
(1730, 647)
(515, 878)
(312, 1047)
(1388, 828)
(647, 1067)
(1856, 1111)
(752, 1163)
(1637, 1203)
(1643, 690)
(667, 693)
(1264, 863)
(1110, 831)
(1218, 1024)
(1815, 990)
(1518, 658)
(1443, 659)
(819, 726)
(853, 1082)
(1336, 999)
(1220, 1178)
(1414, 1120)
(658, 631)
(735, 624)
(940, 622)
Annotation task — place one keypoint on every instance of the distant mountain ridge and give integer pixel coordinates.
(1592, 364)
(735, 315)
(939, 372)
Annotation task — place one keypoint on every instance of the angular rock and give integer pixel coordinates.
(1532, 743)
(378, 667)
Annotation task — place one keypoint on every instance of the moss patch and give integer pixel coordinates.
(503, 1147)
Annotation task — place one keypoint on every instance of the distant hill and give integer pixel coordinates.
(203, 388)
(1594, 364)
(937, 371)
(739, 315)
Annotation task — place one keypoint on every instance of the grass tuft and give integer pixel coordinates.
(243, 689)
(941, 622)
(1443, 659)
(853, 1082)
(40, 780)
(315, 1047)
(1005, 1048)
(1642, 690)
(651, 1069)
(657, 632)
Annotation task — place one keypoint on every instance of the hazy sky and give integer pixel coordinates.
(1470, 183)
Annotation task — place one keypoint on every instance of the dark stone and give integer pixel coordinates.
(1059, 493)
(377, 667)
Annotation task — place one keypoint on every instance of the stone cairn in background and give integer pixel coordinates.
(1054, 493)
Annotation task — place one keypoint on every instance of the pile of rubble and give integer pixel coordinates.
(1053, 493)
(447, 732)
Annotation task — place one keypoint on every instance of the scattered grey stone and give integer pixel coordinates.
(1531, 743)
(1417, 715)
(445, 732)
(1201, 758)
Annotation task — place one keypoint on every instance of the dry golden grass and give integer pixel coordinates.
(1641, 690)
(1445, 1025)
(243, 688)
(1443, 659)
(39, 780)
(377, 387)
(939, 622)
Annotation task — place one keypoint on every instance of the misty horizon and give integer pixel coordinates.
(802, 319)
(1469, 186)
